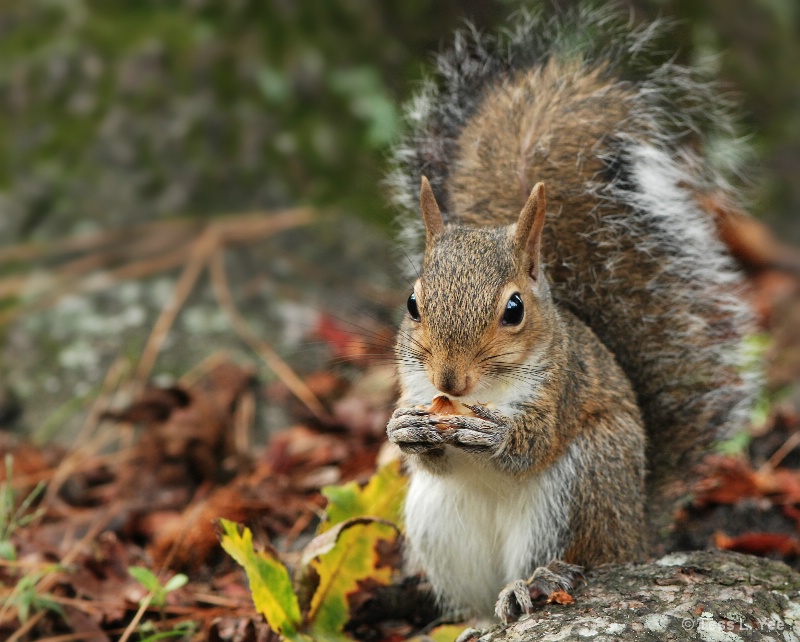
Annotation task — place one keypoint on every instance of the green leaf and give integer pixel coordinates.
(343, 557)
(443, 633)
(175, 582)
(269, 580)
(381, 498)
(7, 550)
(145, 577)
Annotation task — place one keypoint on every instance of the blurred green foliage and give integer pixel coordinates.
(753, 47)
(113, 111)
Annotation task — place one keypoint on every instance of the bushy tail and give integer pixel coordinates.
(575, 100)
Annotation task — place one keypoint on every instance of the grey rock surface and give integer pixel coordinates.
(712, 596)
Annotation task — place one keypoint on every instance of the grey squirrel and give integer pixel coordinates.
(559, 378)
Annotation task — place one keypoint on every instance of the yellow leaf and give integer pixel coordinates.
(443, 633)
(343, 557)
(270, 584)
(381, 498)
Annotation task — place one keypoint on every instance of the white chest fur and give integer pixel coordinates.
(475, 529)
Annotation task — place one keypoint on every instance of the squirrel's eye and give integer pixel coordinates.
(413, 310)
(514, 310)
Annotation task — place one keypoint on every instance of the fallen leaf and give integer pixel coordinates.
(381, 498)
(560, 597)
(270, 583)
(726, 480)
(759, 543)
(342, 557)
(186, 540)
(188, 431)
(748, 239)
(443, 633)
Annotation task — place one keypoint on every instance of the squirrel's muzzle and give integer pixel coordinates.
(453, 381)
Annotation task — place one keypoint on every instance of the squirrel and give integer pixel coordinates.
(591, 358)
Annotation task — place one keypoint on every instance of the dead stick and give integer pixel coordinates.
(92, 240)
(219, 283)
(242, 228)
(27, 626)
(59, 288)
(197, 261)
(779, 455)
(202, 250)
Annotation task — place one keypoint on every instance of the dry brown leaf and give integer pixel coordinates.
(726, 480)
(185, 541)
(748, 239)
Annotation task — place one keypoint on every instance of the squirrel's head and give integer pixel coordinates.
(481, 304)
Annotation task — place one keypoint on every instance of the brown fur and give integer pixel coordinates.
(467, 277)
(634, 323)
(543, 125)
(554, 124)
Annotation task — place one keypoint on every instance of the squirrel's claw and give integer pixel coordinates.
(488, 414)
(409, 412)
(513, 601)
(414, 430)
(517, 597)
(473, 432)
(468, 438)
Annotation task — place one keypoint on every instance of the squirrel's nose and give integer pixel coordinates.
(452, 382)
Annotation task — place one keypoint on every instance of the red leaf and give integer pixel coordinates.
(759, 543)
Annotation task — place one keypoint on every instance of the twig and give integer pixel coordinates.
(92, 240)
(219, 282)
(219, 600)
(104, 400)
(242, 422)
(97, 282)
(197, 261)
(779, 455)
(244, 228)
(241, 228)
(198, 371)
(27, 626)
(137, 618)
(110, 459)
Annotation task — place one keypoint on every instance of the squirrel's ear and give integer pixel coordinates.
(431, 215)
(528, 237)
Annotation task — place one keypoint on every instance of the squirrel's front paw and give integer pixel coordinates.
(484, 432)
(414, 430)
(517, 598)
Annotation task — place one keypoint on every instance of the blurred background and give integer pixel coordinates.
(128, 128)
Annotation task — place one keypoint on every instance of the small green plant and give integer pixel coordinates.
(11, 519)
(150, 581)
(26, 599)
(148, 633)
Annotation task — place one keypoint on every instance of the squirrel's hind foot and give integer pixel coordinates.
(516, 599)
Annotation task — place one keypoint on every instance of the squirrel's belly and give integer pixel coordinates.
(473, 530)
